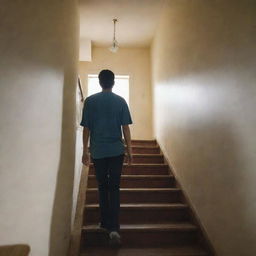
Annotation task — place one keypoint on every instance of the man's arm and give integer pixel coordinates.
(86, 156)
(127, 137)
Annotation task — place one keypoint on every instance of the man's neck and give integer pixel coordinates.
(107, 90)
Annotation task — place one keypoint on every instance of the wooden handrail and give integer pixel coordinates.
(80, 89)
(74, 246)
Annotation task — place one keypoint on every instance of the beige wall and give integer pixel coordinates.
(203, 61)
(39, 54)
(136, 63)
(79, 152)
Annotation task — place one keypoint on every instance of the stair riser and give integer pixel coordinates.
(139, 183)
(163, 251)
(140, 216)
(144, 143)
(139, 197)
(143, 239)
(144, 150)
(140, 170)
(144, 159)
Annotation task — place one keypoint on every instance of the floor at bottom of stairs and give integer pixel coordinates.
(172, 251)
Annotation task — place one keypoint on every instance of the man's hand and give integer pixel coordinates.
(86, 158)
(127, 137)
(129, 159)
(86, 155)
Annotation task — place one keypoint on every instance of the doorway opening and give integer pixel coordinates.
(120, 88)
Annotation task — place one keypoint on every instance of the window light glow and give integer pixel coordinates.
(120, 88)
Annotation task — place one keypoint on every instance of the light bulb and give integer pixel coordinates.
(114, 48)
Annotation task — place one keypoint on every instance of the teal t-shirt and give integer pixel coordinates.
(103, 114)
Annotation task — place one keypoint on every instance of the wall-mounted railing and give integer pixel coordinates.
(74, 247)
(80, 89)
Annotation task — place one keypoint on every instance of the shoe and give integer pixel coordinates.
(114, 239)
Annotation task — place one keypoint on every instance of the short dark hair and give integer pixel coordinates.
(106, 79)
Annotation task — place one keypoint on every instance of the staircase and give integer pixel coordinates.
(154, 216)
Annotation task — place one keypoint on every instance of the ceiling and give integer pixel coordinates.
(137, 21)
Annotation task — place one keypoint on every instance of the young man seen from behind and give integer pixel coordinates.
(105, 116)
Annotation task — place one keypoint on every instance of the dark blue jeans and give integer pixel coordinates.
(108, 174)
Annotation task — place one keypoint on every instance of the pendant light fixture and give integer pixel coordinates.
(114, 47)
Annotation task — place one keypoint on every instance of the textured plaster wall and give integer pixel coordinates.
(38, 74)
(204, 101)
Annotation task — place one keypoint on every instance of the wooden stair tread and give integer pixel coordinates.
(147, 164)
(156, 165)
(144, 164)
(147, 227)
(147, 155)
(141, 189)
(168, 251)
(146, 140)
(142, 147)
(136, 176)
(143, 141)
(145, 205)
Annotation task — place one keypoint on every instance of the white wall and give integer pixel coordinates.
(38, 74)
(203, 61)
(134, 62)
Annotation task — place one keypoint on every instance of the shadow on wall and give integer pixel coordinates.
(230, 39)
(209, 163)
(63, 199)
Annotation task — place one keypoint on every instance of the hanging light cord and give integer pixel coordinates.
(114, 46)
(114, 20)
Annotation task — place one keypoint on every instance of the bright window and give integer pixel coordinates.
(121, 86)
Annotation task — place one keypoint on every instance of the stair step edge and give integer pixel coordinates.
(147, 227)
(140, 176)
(150, 251)
(144, 164)
(137, 140)
(142, 189)
(145, 146)
(148, 155)
(139, 205)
